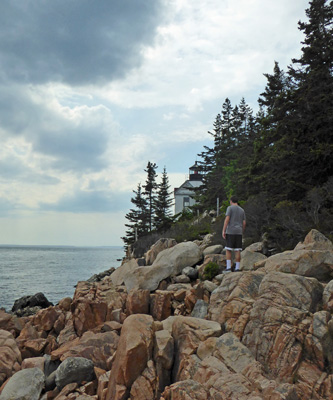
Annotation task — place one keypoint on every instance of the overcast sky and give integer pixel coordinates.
(92, 90)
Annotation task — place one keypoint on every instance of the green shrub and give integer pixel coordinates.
(210, 271)
(188, 230)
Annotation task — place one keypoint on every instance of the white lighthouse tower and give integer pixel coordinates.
(184, 194)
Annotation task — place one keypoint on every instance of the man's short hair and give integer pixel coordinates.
(234, 199)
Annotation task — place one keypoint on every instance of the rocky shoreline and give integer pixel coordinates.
(154, 329)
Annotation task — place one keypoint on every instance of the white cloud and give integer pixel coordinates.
(208, 50)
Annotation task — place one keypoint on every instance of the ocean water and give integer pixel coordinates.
(52, 270)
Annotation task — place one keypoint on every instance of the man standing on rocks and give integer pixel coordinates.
(233, 229)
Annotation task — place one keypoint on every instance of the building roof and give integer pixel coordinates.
(187, 187)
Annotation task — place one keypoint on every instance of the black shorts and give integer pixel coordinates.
(234, 242)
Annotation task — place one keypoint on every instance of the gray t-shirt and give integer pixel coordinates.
(237, 216)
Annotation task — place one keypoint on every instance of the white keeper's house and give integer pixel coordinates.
(183, 194)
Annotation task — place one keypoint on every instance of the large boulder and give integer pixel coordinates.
(160, 245)
(145, 386)
(278, 322)
(315, 240)
(46, 319)
(163, 357)
(97, 347)
(188, 333)
(74, 370)
(121, 272)
(101, 275)
(168, 263)
(200, 309)
(311, 263)
(135, 349)
(10, 356)
(36, 300)
(29, 305)
(24, 385)
(231, 303)
(191, 272)
(10, 323)
(87, 314)
(137, 302)
(240, 361)
(207, 241)
(256, 247)
(312, 258)
(216, 249)
(249, 258)
(160, 306)
(233, 353)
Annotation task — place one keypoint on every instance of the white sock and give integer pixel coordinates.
(237, 266)
(228, 264)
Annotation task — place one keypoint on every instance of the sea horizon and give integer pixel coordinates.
(59, 245)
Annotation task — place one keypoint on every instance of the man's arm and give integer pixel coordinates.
(226, 222)
(244, 225)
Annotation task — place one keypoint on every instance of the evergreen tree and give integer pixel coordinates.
(293, 158)
(226, 164)
(235, 136)
(247, 136)
(247, 121)
(295, 151)
(213, 160)
(262, 173)
(274, 94)
(309, 120)
(149, 191)
(137, 217)
(163, 202)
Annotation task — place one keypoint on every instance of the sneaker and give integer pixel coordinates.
(227, 271)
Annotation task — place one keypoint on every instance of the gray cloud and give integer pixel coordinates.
(17, 112)
(13, 169)
(90, 202)
(76, 143)
(76, 42)
(73, 148)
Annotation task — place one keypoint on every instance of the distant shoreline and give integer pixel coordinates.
(59, 246)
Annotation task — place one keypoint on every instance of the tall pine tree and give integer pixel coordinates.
(310, 113)
(163, 202)
(294, 153)
(263, 170)
(149, 191)
(138, 218)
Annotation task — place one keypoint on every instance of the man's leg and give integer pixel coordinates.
(237, 258)
(228, 255)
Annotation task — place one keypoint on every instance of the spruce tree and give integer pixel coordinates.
(247, 135)
(212, 167)
(274, 94)
(262, 170)
(137, 217)
(163, 202)
(225, 164)
(295, 153)
(310, 114)
(149, 191)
